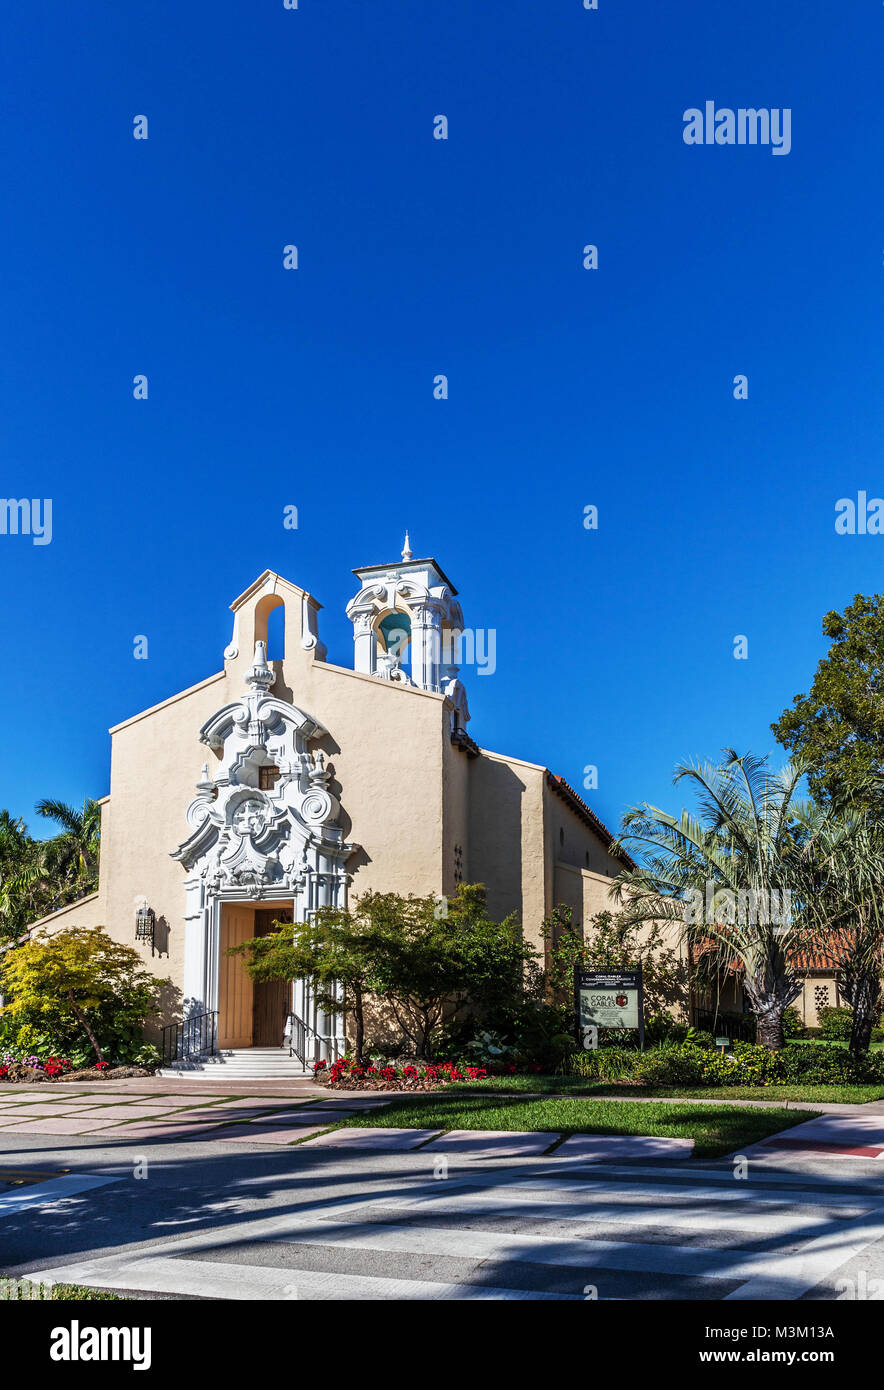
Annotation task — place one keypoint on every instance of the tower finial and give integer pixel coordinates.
(259, 675)
(406, 549)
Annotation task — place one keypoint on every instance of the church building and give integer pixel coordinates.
(283, 783)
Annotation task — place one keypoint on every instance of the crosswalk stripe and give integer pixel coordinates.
(536, 1249)
(209, 1279)
(644, 1208)
(401, 1236)
(805, 1267)
(730, 1190)
(41, 1194)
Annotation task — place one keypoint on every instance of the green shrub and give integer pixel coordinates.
(835, 1023)
(827, 1065)
(670, 1067)
(543, 1037)
(665, 1028)
(488, 1049)
(606, 1063)
(793, 1024)
(747, 1064)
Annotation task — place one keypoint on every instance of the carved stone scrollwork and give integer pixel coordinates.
(254, 842)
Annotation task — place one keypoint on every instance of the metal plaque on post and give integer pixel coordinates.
(608, 999)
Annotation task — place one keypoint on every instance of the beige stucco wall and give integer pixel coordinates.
(156, 759)
(506, 839)
(817, 991)
(574, 843)
(386, 748)
(586, 893)
(456, 787)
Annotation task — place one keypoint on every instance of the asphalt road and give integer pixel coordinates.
(232, 1221)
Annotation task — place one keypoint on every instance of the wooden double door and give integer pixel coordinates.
(250, 1013)
(271, 1000)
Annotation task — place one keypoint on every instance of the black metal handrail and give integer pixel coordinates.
(302, 1036)
(192, 1037)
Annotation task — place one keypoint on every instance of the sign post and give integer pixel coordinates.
(608, 999)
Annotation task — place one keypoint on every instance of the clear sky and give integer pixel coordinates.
(314, 388)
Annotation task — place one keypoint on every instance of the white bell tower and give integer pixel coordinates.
(407, 612)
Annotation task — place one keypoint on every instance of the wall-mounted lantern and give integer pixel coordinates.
(145, 924)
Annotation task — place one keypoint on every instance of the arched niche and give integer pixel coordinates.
(271, 634)
(394, 632)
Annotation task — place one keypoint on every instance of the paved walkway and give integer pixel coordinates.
(136, 1112)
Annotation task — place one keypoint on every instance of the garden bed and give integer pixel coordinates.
(412, 1076)
(374, 1083)
(16, 1073)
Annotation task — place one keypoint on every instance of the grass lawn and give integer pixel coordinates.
(26, 1290)
(581, 1086)
(716, 1130)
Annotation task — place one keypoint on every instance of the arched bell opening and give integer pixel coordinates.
(269, 623)
(394, 635)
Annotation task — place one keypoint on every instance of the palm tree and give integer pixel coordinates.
(75, 851)
(846, 900)
(24, 882)
(736, 878)
(39, 876)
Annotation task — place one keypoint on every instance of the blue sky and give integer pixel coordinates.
(314, 387)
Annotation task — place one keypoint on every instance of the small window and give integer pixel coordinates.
(267, 778)
(561, 837)
(587, 858)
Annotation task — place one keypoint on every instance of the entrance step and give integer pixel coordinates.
(240, 1064)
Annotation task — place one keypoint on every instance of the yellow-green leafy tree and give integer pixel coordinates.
(80, 980)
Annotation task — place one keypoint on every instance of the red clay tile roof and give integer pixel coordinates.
(820, 959)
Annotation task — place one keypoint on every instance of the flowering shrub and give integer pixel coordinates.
(33, 1061)
(50, 1066)
(346, 1070)
(56, 1066)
